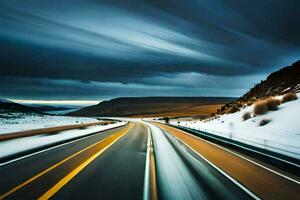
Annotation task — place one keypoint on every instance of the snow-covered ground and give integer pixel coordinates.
(281, 134)
(12, 147)
(14, 121)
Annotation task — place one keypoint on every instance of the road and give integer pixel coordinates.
(137, 159)
(257, 178)
(69, 172)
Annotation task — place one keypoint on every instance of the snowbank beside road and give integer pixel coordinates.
(14, 122)
(15, 146)
(281, 134)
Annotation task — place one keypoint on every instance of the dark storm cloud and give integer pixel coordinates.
(210, 45)
(48, 89)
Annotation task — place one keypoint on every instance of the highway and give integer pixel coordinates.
(256, 178)
(116, 164)
(89, 168)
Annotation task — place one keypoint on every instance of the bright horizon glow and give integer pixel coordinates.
(56, 102)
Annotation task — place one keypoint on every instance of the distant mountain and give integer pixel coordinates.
(50, 108)
(282, 81)
(5, 101)
(11, 106)
(16, 107)
(154, 106)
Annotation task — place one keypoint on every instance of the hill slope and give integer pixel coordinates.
(154, 106)
(6, 105)
(282, 81)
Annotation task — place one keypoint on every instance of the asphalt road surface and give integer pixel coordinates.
(116, 173)
(113, 164)
(256, 178)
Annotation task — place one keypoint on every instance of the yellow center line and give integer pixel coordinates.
(121, 133)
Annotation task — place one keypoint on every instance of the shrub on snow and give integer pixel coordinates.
(264, 122)
(289, 97)
(273, 103)
(260, 107)
(263, 106)
(233, 109)
(246, 115)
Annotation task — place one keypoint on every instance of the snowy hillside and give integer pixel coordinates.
(15, 121)
(281, 134)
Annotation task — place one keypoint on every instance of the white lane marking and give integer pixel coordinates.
(236, 154)
(176, 181)
(146, 195)
(54, 147)
(222, 172)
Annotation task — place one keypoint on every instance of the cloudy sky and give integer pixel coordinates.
(93, 50)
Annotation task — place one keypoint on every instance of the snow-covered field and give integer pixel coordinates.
(13, 121)
(15, 146)
(281, 134)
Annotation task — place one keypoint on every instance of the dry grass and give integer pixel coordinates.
(249, 103)
(272, 103)
(260, 107)
(198, 110)
(269, 104)
(239, 104)
(289, 97)
(233, 109)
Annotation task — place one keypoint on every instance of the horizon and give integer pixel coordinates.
(80, 103)
(84, 103)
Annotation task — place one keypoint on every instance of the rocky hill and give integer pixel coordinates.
(280, 82)
(285, 80)
(154, 106)
(6, 105)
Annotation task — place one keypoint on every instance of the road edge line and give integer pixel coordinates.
(220, 170)
(240, 156)
(149, 192)
(205, 133)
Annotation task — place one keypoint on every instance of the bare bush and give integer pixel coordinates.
(233, 109)
(263, 106)
(264, 122)
(289, 97)
(246, 115)
(239, 104)
(260, 107)
(249, 103)
(223, 108)
(253, 99)
(273, 103)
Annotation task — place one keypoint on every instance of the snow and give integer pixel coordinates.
(15, 121)
(281, 134)
(12, 147)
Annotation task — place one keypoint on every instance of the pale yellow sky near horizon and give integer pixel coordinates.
(56, 102)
